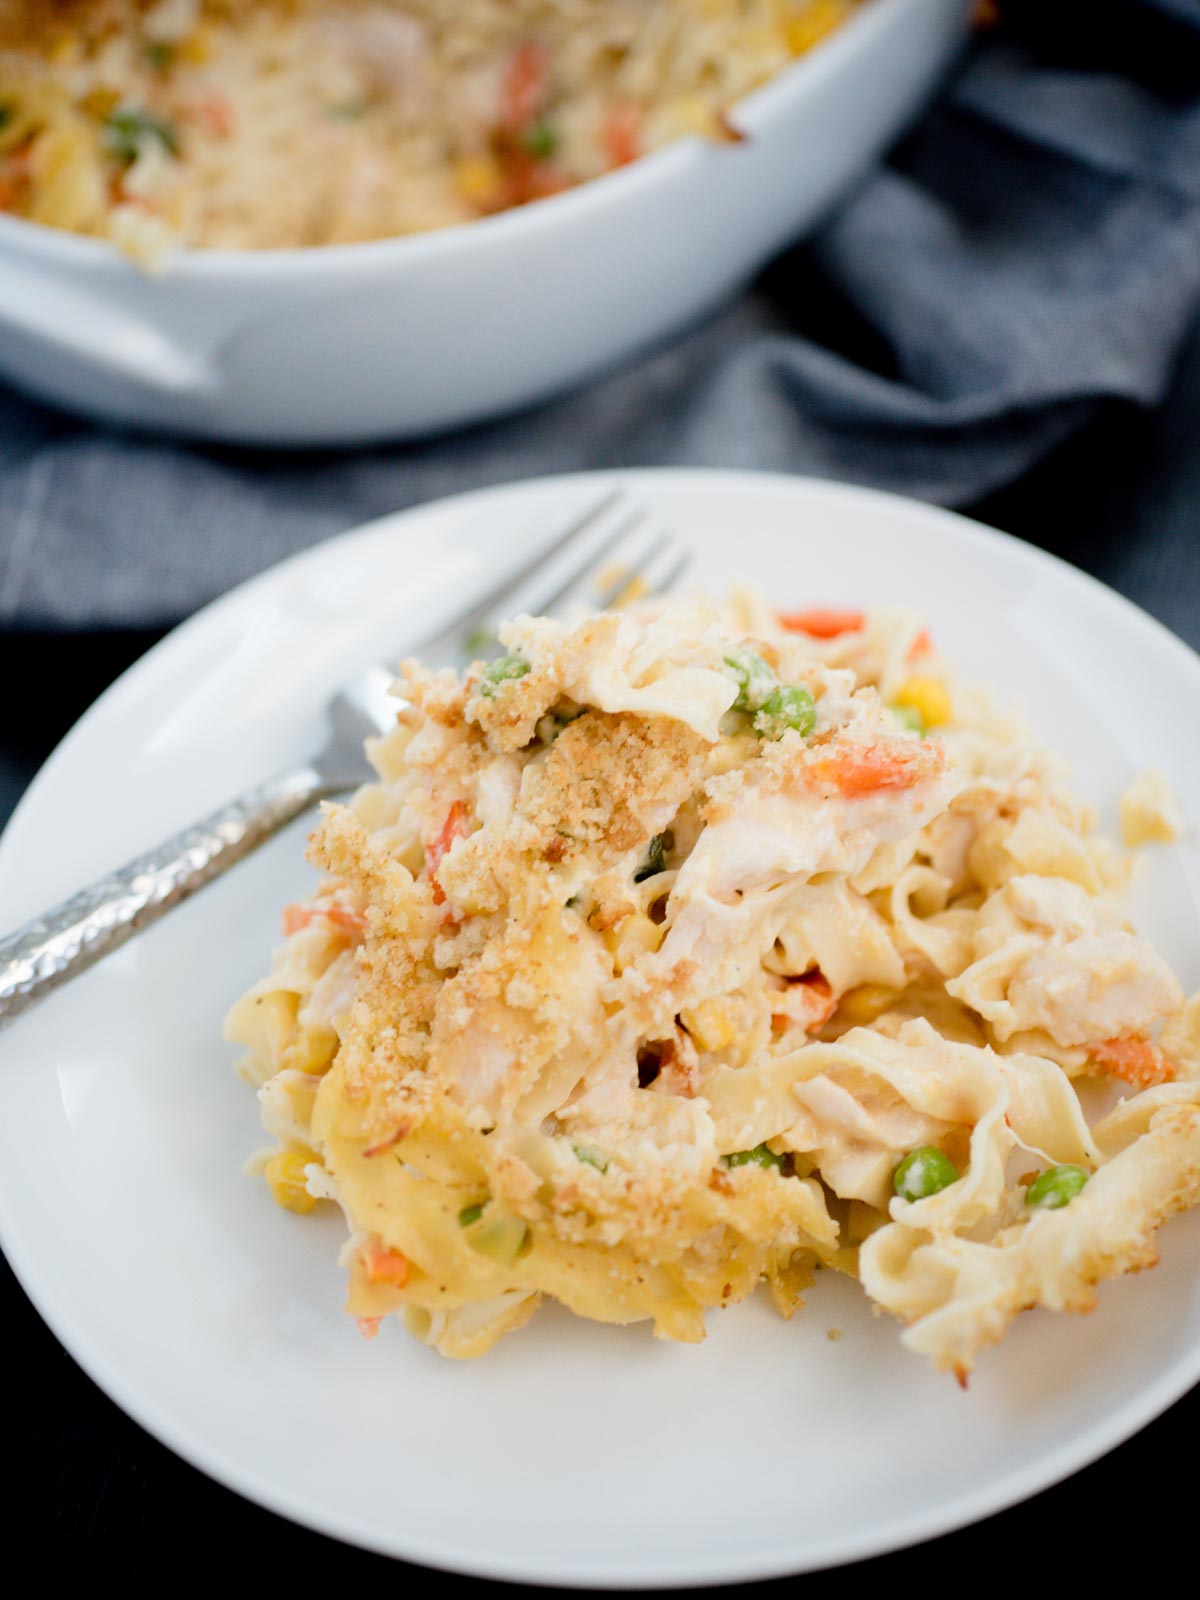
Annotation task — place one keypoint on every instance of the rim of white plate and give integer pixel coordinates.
(898, 1533)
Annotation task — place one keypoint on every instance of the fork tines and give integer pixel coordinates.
(561, 575)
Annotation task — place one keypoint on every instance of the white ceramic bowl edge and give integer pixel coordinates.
(357, 343)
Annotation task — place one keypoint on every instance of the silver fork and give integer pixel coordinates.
(68, 939)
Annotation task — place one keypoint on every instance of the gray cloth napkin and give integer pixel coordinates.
(1030, 253)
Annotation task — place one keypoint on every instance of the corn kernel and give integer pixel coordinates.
(312, 1050)
(636, 589)
(63, 49)
(709, 1024)
(477, 178)
(99, 102)
(928, 697)
(197, 48)
(632, 938)
(284, 1173)
(270, 1025)
(691, 113)
(862, 1005)
(811, 25)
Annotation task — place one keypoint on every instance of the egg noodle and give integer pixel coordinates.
(258, 124)
(681, 950)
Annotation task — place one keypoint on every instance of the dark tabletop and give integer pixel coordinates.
(104, 1505)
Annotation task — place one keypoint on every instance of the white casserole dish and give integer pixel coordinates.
(351, 343)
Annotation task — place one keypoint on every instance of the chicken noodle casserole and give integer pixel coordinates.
(681, 950)
(258, 124)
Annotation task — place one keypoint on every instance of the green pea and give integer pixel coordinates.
(1056, 1187)
(790, 706)
(922, 1173)
(590, 1157)
(159, 53)
(469, 1215)
(656, 857)
(760, 1156)
(909, 717)
(502, 670)
(127, 132)
(552, 724)
(540, 139)
(478, 639)
(755, 680)
(348, 110)
(502, 1239)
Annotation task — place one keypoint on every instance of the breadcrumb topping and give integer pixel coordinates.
(680, 950)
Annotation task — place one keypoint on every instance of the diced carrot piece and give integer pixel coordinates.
(216, 113)
(526, 179)
(135, 202)
(822, 624)
(861, 769)
(351, 923)
(621, 135)
(382, 1265)
(524, 86)
(821, 1001)
(456, 826)
(368, 1326)
(817, 1003)
(922, 645)
(1134, 1058)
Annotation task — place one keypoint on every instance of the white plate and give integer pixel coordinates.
(573, 1453)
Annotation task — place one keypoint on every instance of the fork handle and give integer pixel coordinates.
(68, 939)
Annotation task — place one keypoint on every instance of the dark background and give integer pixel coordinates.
(101, 1505)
